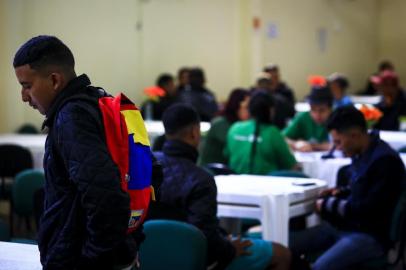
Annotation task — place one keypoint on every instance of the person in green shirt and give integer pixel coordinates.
(236, 109)
(256, 146)
(307, 131)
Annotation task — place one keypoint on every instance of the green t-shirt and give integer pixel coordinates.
(303, 127)
(212, 148)
(272, 152)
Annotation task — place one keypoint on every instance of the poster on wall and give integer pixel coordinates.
(272, 30)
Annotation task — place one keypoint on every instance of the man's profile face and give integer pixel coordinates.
(37, 89)
(347, 142)
(320, 113)
(274, 75)
(336, 90)
(170, 88)
(184, 78)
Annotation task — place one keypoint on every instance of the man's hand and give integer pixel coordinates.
(240, 246)
(303, 146)
(319, 203)
(329, 192)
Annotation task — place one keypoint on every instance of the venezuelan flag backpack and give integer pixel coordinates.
(128, 143)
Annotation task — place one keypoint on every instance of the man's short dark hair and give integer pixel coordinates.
(271, 67)
(196, 77)
(163, 80)
(183, 70)
(260, 106)
(179, 116)
(346, 117)
(385, 65)
(340, 79)
(44, 51)
(320, 95)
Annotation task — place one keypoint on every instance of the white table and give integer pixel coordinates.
(324, 169)
(371, 100)
(396, 139)
(302, 107)
(357, 100)
(36, 143)
(15, 256)
(272, 200)
(156, 128)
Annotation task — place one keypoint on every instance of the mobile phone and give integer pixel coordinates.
(306, 184)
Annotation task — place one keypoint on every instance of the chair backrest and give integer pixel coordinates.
(172, 245)
(14, 159)
(25, 185)
(402, 149)
(27, 129)
(287, 173)
(398, 214)
(398, 229)
(4, 231)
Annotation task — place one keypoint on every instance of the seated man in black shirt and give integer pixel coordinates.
(393, 103)
(198, 96)
(358, 212)
(153, 109)
(188, 193)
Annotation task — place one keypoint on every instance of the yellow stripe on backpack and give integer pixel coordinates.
(135, 125)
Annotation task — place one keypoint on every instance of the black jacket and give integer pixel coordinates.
(86, 212)
(157, 107)
(202, 100)
(188, 193)
(391, 114)
(376, 180)
(284, 90)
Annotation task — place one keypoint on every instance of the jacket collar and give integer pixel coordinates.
(176, 148)
(73, 87)
(374, 140)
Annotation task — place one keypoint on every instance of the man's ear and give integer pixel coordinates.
(196, 131)
(58, 81)
(355, 133)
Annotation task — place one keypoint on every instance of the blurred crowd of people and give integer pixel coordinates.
(241, 119)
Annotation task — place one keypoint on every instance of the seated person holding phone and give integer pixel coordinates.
(356, 216)
(307, 131)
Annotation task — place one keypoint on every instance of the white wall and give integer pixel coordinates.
(351, 40)
(124, 45)
(3, 69)
(194, 33)
(101, 35)
(392, 35)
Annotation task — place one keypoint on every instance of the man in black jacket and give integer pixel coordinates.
(393, 102)
(359, 215)
(198, 96)
(188, 193)
(86, 212)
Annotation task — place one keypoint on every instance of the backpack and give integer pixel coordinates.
(129, 146)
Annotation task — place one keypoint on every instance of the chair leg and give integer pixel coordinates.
(3, 188)
(11, 219)
(28, 224)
